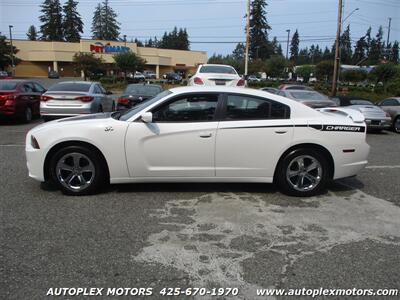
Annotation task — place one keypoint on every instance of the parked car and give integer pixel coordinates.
(149, 75)
(202, 134)
(71, 98)
(375, 118)
(20, 99)
(253, 78)
(392, 107)
(137, 93)
(138, 76)
(210, 74)
(4, 75)
(172, 77)
(284, 87)
(270, 90)
(53, 75)
(307, 97)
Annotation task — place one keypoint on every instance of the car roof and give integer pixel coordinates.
(77, 81)
(217, 65)
(144, 84)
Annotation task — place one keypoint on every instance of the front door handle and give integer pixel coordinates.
(205, 134)
(280, 131)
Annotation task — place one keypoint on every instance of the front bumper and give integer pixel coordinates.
(378, 123)
(34, 161)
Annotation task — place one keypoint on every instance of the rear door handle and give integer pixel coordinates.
(205, 134)
(280, 131)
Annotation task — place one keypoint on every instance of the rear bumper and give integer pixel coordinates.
(65, 111)
(348, 164)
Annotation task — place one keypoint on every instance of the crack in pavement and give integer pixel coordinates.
(216, 237)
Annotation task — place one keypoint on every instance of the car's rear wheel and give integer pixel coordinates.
(396, 124)
(27, 116)
(302, 172)
(77, 170)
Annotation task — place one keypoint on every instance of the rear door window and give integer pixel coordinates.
(243, 107)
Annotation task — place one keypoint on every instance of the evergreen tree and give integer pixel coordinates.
(360, 51)
(32, 33)
(259, 45)
(276, 47)
(368, 41)
(394, 53)
(104, 23)
(294, 47)
(376, 48)
(176, 39)
(111, 26)
(5, 53)
(138, 42)
(345, 46)
(51, 18)
(72, 22)
(327, 54)
(97, 24)
(239, 51)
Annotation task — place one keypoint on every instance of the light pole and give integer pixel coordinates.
(12, 50)
(287, 44)
(352, 12)
(246, 55)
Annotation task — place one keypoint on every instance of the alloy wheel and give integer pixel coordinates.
(75, 171)
(304, 173)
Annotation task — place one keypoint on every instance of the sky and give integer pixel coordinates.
(216, 26)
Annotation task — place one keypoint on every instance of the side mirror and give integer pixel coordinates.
(108, 93)
(147, 117)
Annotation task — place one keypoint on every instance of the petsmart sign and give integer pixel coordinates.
(99, 47)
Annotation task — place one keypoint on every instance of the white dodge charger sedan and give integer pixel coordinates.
(201, 134)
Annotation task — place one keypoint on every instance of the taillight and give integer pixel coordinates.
(123, 100)
(45, 98)
(8, 97)
(241, 82)
(85, 98)
(34, 142)
(198, 80)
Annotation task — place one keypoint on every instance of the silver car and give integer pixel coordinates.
(72, 98)
(310, 98)
(392, 107)
(375, 118)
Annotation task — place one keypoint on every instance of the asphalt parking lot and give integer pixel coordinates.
(199, 235)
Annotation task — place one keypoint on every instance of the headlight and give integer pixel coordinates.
(34, 143)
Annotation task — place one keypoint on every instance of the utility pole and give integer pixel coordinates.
(12, 50)
(287, 45)
(387, 42)
(246, 55)
(337, 50)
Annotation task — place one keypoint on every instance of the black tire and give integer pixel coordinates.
(396, 124)
(46, 119)
(27, 115)
(97, 181)
(282, 173)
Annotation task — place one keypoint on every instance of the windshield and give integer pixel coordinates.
(142, 90)
(361, 102)
(126, 115)
(218, 69)
(8, 85)
(70, 87)
(308, 95)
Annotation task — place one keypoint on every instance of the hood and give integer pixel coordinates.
(87, 117)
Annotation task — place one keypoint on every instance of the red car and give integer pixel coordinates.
(20, 99)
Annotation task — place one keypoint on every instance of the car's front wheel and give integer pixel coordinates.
(76, 170)
(302, 172)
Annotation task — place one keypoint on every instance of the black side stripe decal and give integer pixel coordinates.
(342, 128)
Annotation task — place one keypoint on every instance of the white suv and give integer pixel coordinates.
(210, 75)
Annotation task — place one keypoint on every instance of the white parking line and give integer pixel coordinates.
(383, 167)
(13, 145)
